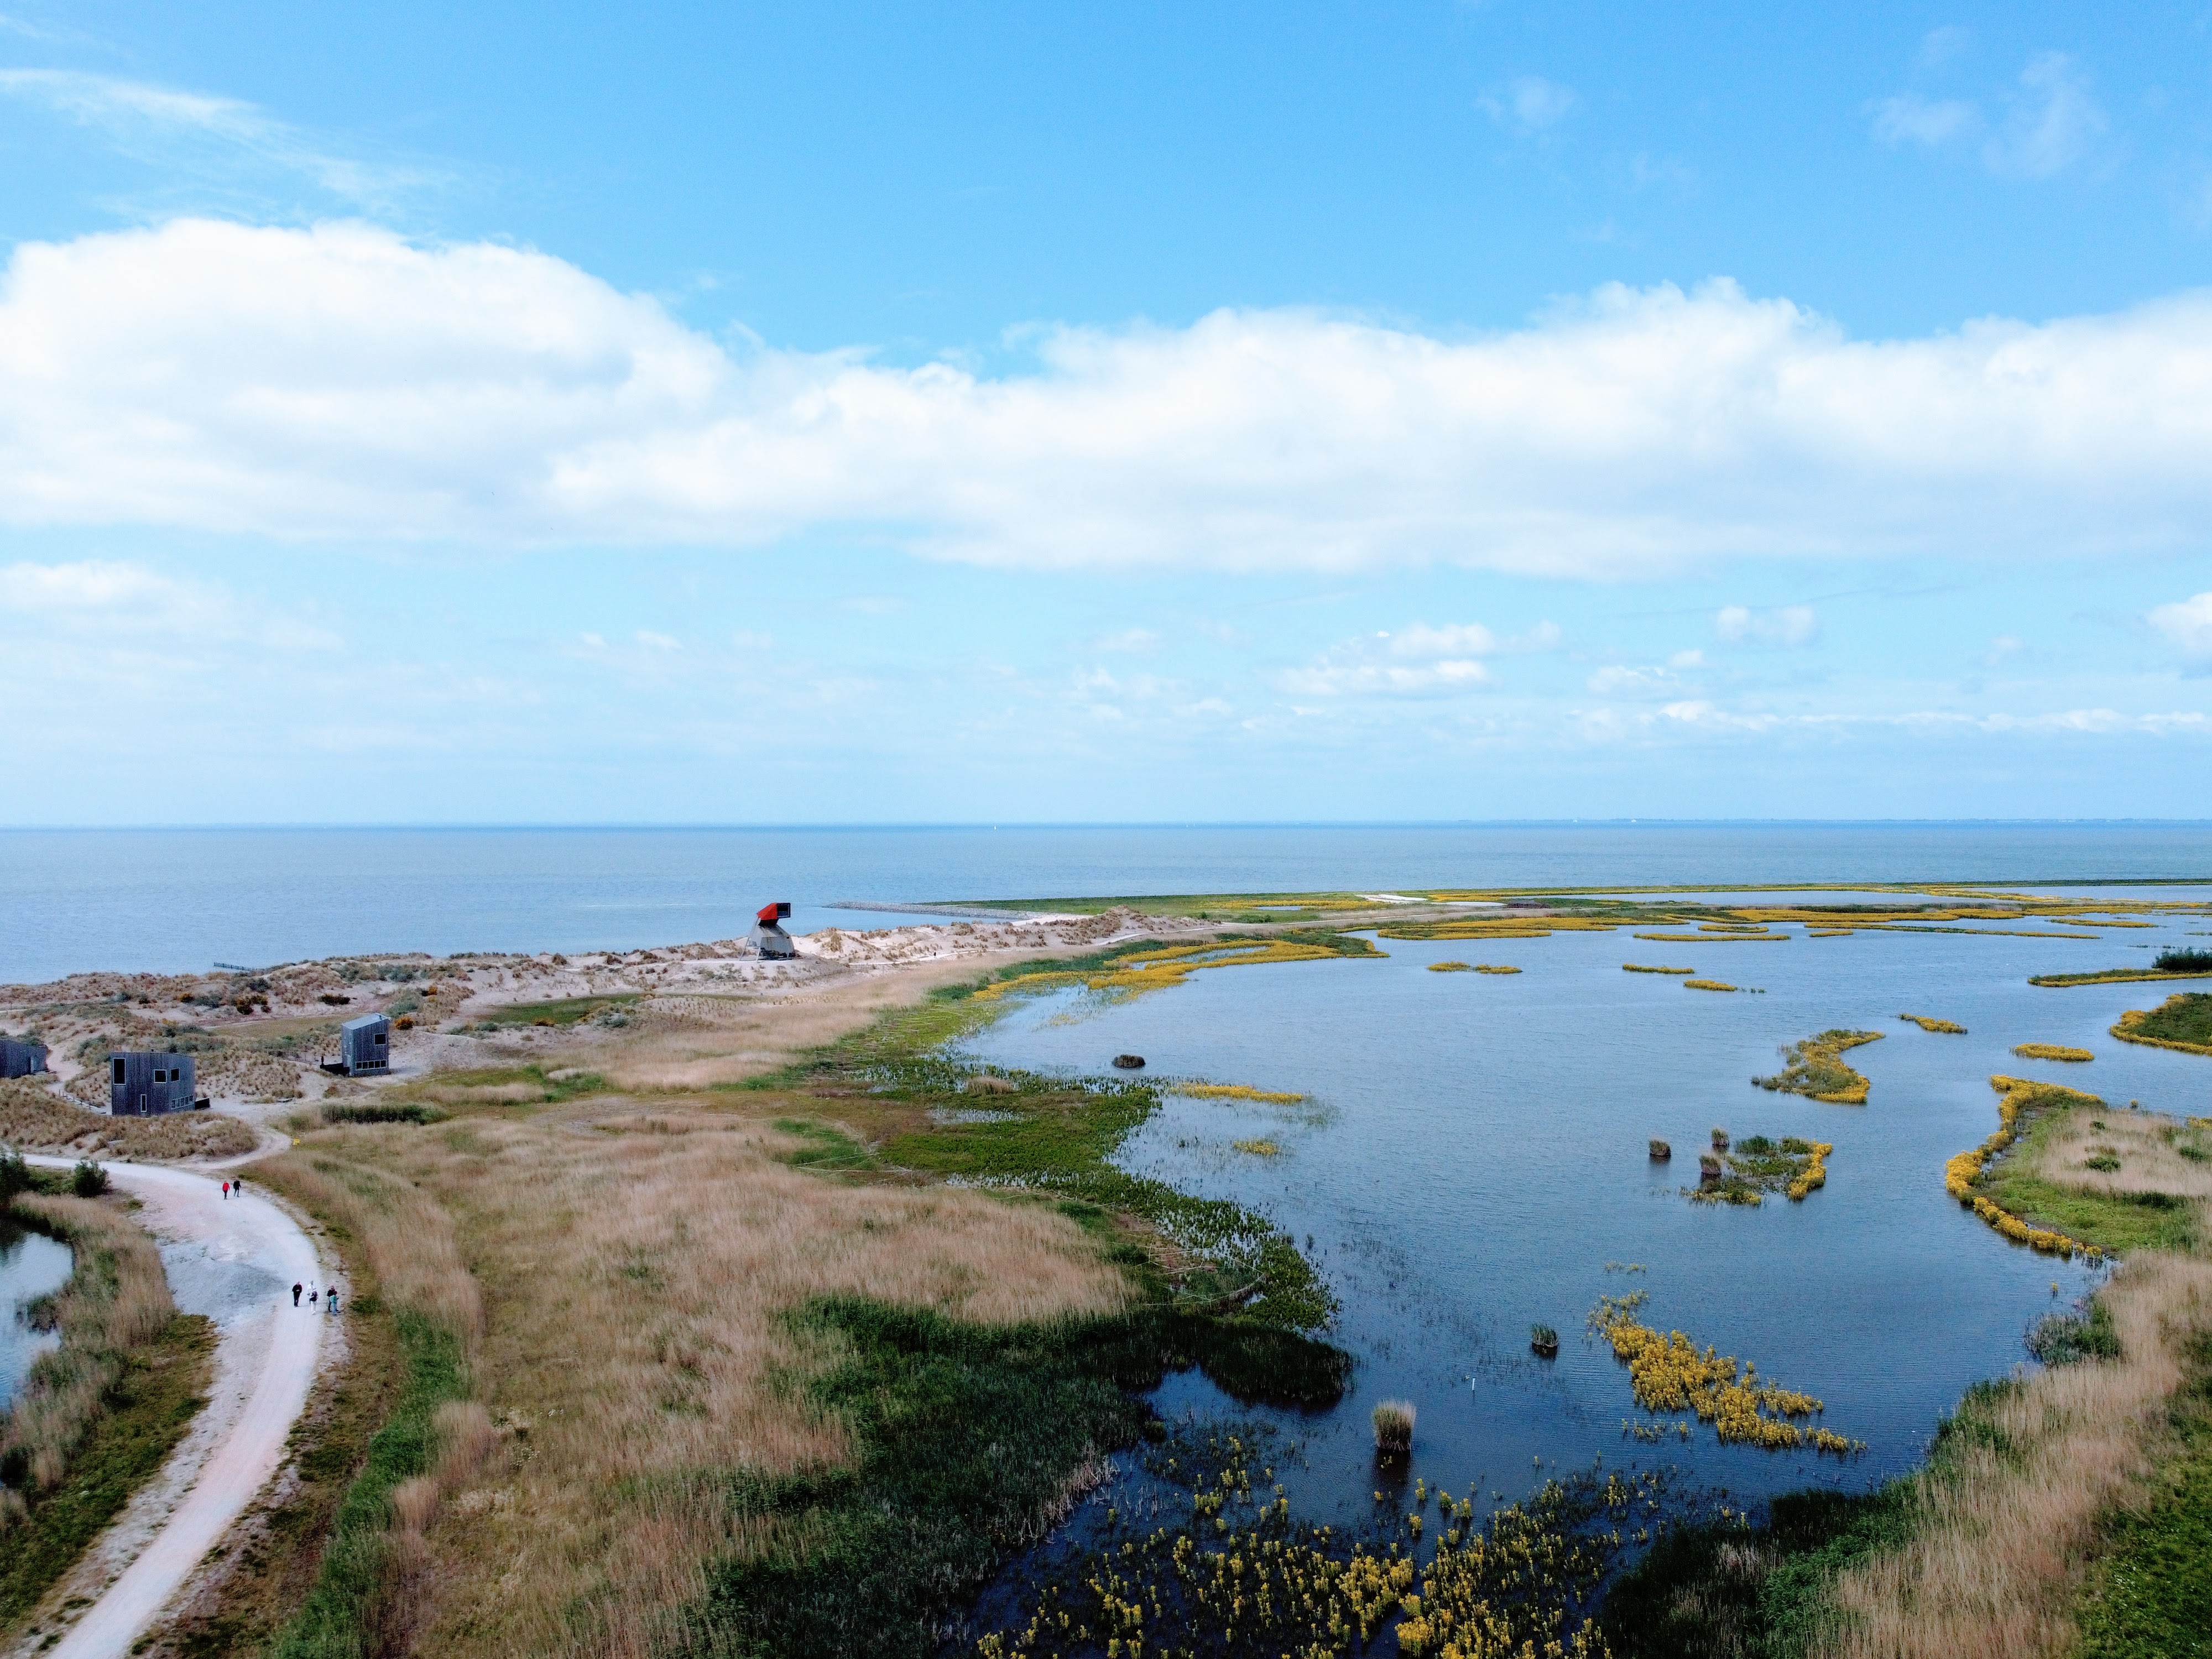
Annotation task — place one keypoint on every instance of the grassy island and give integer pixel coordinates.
(2183, 1022)
(1815, 1068)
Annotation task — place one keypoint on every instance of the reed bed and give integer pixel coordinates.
(117, 1301)
(1393, 1427)
(1640, 968)
(1238, 1092)
(1706, 985)
(2000, 1537)
(1941, 1027)
(2052, 1051)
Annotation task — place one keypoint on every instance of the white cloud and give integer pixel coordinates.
(341, 382)
(1788, 624)
(1420, 661)
(2052, 123)
(1621, 680)
(1910, 118)
(2187, 623)
(652, 641)
(1135, 640)
(1529, 103)
(180, 128)
(1452, 640)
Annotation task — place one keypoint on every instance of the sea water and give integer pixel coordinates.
(173, 900)
(31, 1266)
(1472, 1160)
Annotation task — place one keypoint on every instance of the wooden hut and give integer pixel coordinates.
(364, 1046)
(22, 1057)
(149, 1084)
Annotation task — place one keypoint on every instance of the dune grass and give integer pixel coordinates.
(35, 1121)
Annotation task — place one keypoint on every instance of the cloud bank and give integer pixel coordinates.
(343, 382)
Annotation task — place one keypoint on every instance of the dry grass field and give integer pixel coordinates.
(633, 1266)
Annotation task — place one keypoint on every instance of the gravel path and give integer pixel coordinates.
(235, 1261)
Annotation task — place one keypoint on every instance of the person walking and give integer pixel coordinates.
(295, 1293)
(226, 1189)
(330, 1307)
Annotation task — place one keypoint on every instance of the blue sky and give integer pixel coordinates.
(940, 413)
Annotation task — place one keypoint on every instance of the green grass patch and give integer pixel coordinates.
(2186, 1016)
(826, 1146)
(160, 1389)
(970, 1440)
(337, 1619)
(2115, 976)
(380, 1111)
(1056, 1136)
(565, 1011)
(2119, 1223)
(2151, 1596)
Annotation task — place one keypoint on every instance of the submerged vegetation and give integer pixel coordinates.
(1941, 1027)
(1230, 1091)
(1220, 1567)
(1669, 1374)
(1815, 1068)
(2182, 1022)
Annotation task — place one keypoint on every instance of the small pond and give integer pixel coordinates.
(31, 1266)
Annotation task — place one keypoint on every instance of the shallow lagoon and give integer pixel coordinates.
(31, 1266)
(1473, 1157)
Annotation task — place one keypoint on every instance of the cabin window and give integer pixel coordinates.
(118, 1071)
(381, 1039)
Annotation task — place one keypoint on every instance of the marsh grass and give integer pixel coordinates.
(115, 1304)
(1939, 1027)
(1393, 1427)
(2052, 1051)
(157, 1390)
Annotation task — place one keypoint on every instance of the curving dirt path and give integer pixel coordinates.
(234, 1261)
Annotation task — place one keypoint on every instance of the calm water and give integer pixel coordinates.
(31, 1266)
(1473, 1158)
(176, 901)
